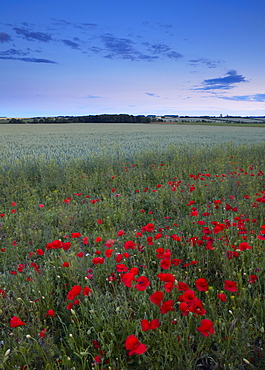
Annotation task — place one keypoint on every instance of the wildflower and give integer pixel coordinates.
(252, 279)
(134, 346)
(98, 260)
(157, 298)
(15, 322)
(167, 306)
(43, 333)
(50, 313)
(129, 245)
(76, 289)
(127, 279)
(202, 285)
(206, 327)
(76, 235)
(152, 325)
(142, 283)
(149, 227)
(231, 286)
(165, 264)
(222, 297)
(87, 291)
(80, 254)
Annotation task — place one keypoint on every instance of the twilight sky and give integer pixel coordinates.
(192, 57)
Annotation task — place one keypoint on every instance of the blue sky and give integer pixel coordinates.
(192, 57)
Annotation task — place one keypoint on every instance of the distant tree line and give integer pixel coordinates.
(101, 118)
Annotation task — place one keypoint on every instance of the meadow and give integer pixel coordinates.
(132, 247)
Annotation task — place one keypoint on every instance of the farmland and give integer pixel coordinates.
(126, 246)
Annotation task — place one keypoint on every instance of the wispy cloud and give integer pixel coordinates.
(31, 60)
(251, 98)
(223, 83)
(4, 37)
(162, 50)
(10, 52)
(71, 44)
(91, 97)
(123, 48)
(205, 61)
(153, 95)
(33, 35)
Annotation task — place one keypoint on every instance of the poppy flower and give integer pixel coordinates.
(152, 325)
(167, 306)
(206, 327)
(142, 283)
(15, 322)
(165, 264)
(129, 245)
(76, 289)
(87, 291)
(157, 298)
(127, 279)
(98, 260)
(50, 313)
(222, 297)
(230, 285)
(120, 267)
(166, 277)
(202, 285)
(134, 346)
(149, 227)
(252, 279)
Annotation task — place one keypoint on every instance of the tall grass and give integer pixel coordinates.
(188, 212)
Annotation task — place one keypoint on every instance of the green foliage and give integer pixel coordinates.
(42, 201)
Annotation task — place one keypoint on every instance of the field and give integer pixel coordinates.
(132, 247)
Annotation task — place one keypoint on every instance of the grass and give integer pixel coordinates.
(86, 246)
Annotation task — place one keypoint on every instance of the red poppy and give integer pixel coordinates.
(157, 298)
(76, 289)
(120, 267)
(252, 279)
(152, 325)
(197, 308)
(129, 245)
(65, 264)
(167, 306)
(50, 313)
(202, 285)
(40, 252)
(165, 264)
(121, 232)
(76, 235)
(222, 297)
(134, 346)
(98, 260)
(142, 283)
(230, 286)
(149, 227)
(206, 327)
(43, 333)
(182, 286)
(15, 322)
(243, 246)
(87, 291)
(166, 277)
(80, 254)
(127, 279)
(108, 252)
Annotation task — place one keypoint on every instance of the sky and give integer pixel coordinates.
(161, 57)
